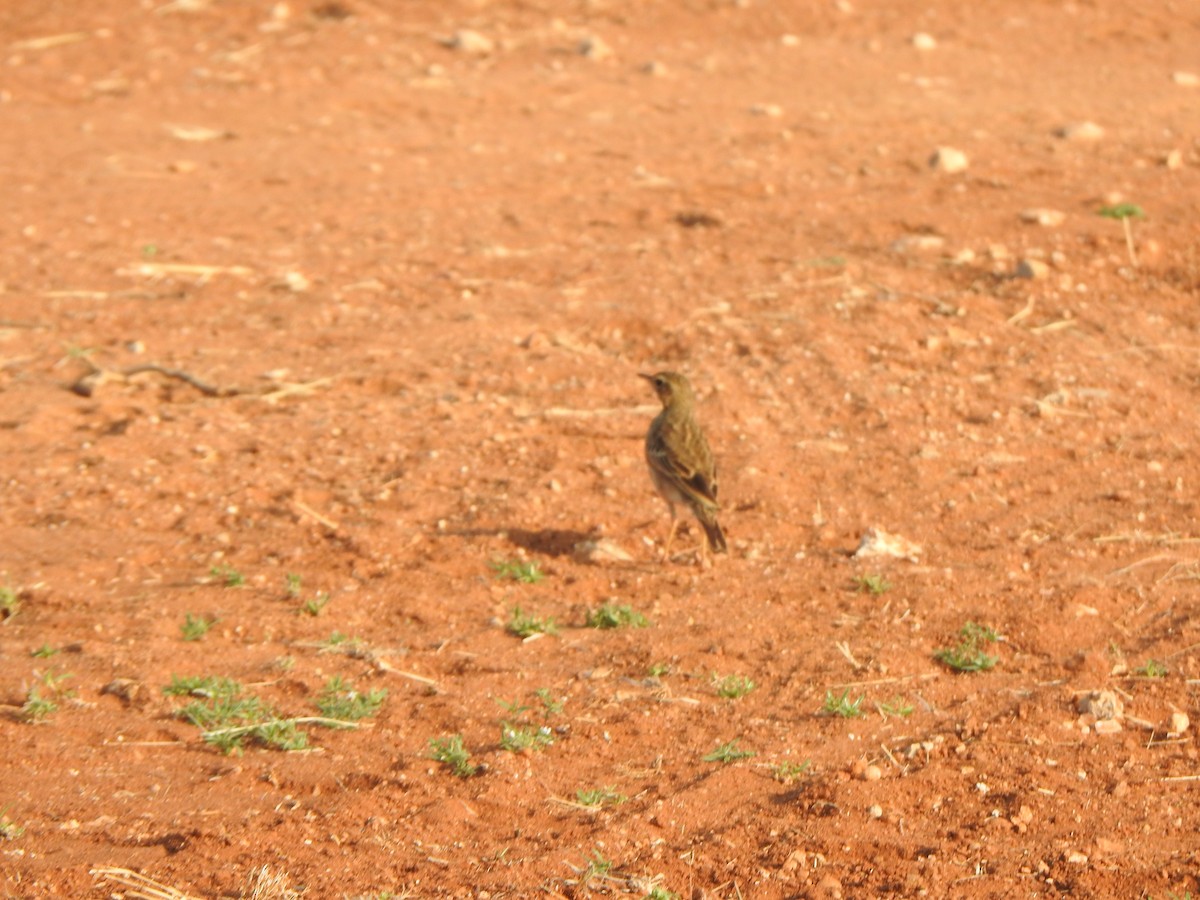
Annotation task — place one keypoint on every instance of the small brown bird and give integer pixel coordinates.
(681, 463)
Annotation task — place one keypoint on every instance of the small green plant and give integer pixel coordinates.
(516, 738)
(658, 892)
(44, 652)
(727, 753)
(842, 706)
(897, 706)
(968, 654)
(231, 576)
(10, 602)
(227, 717)
(550, 706)
(788, 771)
(598, 797)
(341, 702)
(1125, 212)
(314, 605)
(450, 752)
(194, 628)
(9, 830)
(731, 687)
(1152, 669)
(515, 708)
(523, 625)
(610, 615)
(42, 700)
(597, 867)
(872, 584)
(518, 570)
(293, 585)
(659, 669)
(338, 642)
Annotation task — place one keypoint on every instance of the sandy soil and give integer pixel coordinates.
(346, 301)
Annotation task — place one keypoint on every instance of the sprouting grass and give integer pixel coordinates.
(788, 772)
(598, 797)
(9, 830)
(550, 706)
(872, 584)
(968, 654)
(314, 605)
(339, 642)
(659, 669)
(732, 687)
(231, 576)
(523, 624)
(1123, 211)
(516, 738)
(658, 892)
(598, 867)
(842, 706)
(44, 652)
(194, 628)
(10, 602)
(340, 701)
(1152, 669)
(610, 615)
(897, 706)
(292, 581)
(42, 700)
(450, 752)
(518, 570)
(727, 753)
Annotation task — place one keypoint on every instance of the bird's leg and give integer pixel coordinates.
(671, 533)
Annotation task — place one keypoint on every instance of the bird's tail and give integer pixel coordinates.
(716, 537)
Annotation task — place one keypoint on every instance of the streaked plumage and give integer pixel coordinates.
(681, 462)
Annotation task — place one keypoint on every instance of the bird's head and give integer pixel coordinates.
(671, 387)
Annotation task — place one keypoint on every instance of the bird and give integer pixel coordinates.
(680, 460)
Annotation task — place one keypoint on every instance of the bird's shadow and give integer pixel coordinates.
(548, 541)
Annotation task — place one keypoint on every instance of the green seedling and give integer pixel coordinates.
(195, 628)
(612, 616)
(788, 772)
(42, 700)
(523, 625)
(515, 708)
(9, 830)
(550, 706)
(313, 606)
(1125, 212)
(728, 753)
(10, 603)
(658, 892)
(338, 642)
(872, 584)
(597, 867)
(293, 585)
(231, 576)
(450, 752)
(516, 738)
(228, 718)
(341, 702)
(594, 798)
(968, 654)
(659, 669)
(842, 706)
(1152, 669)
(897, 706)
(732, 687)
(44, 652)
(518, 570)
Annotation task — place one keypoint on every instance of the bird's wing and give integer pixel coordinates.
(696, 476)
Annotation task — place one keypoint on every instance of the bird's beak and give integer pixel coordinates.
(644, 375)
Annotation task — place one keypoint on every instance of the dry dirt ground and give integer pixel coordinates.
(346, 301)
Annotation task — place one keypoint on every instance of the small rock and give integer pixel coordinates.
(829, 887)
(595, 48)
(655, 68)
(1120, 789)
(789, 40)
(1049, 218)
(1080, 131)
(877, 542)
(1077, 858)
(770, 110)
(296, 282)
(600, 551)
(1179, 722)
(471, 42)
(918, 243)
(949, 160)
(1032, 268)
(875, 811)
(1174, 160)
(1107, 726)
(872, 773)
(1186, 79)
(1102, 705)
(923, 41)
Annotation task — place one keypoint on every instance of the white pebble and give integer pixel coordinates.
(471, 42)
(949, 159)
(1179, 722)
(875, 811)
(924, 41)
(918, 243)
(595, 48)
(1080, 131)
(1049, 218)
(1186, 79)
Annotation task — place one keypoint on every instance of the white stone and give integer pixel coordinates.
(472, 42)
(918, 243)
(1080, 131)
(596, 48)
(1049, 218)
(1179, 722)
(1186, 79)
(923, 41)
(949, 159)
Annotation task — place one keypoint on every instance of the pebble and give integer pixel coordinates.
(1107, 726)
(875, 811)
(595, 48)
(472, 42)
(949, 159)
(923, 41)
(770, 110)
(1077, 858)
(872, 773)
(918, 243)
(1032, 268)
(1080, 131)
(829, 886)
(1174, 160)
(1179, 722)
(1037, 215)
(877, 542)
(1186, 79)
(599, 551)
